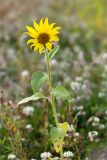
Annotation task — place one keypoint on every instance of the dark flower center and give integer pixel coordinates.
(43, 38)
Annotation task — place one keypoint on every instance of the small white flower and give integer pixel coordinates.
(11, 156)
(23, 139)
(96, 119)
(68, 154)
(45, 155)
(95, 124)
(25, 73)
(81, 113)
(71, 128)
(29, 127)
(93, 134)
(76, 86)
(76, 134)
(78, 108)
(101, 126)
(28, 111)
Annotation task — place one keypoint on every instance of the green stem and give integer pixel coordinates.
(51, 97)
(50, 89)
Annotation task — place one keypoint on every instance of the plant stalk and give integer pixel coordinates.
(51, 96)
(50, 89)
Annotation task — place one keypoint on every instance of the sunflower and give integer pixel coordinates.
(42, 35)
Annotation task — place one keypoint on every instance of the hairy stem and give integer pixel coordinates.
(51, 97)
(50, 89)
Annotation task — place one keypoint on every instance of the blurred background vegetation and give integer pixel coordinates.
(81, 63)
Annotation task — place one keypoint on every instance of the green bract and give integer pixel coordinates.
(53, 52)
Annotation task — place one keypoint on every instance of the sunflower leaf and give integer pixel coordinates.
(53, 52)
(34, 97)
(61, 92)
(57, 137)
(38, 79)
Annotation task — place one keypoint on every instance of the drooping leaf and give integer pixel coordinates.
(34, 97)
(57, 137)
(38, 79)
(61, 92)
(64, 126)
(53, 52)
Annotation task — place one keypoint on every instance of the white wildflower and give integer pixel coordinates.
(76, 134)
(93, 136)
(29, 127)
(25, 75)
(45, 155)
(101, 126)
(68, 154)
(12, 156)
(28, 111)
(71, 128)
(76, 86)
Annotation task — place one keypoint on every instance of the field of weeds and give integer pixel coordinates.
(53, 103)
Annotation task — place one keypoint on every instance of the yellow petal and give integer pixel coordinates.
(49, 46)
(51, 25)
(36, 25)
(41, 49)
(37, 46)
(31, 35)
(31, 30)
(53, 33)
(41, 22)
(57, 28)
(31, 41)
(32, 46)
(54, 39)
(46, 22)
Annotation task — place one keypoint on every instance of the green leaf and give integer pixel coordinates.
(34, 97)
(53, 52)
(61, 92)
(38, 79)
(57, 137)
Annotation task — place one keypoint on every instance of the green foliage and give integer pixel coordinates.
(81, 59)
(34, 97)
(37, 80)
(52, 53)
(57, 137)
(61, 92)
